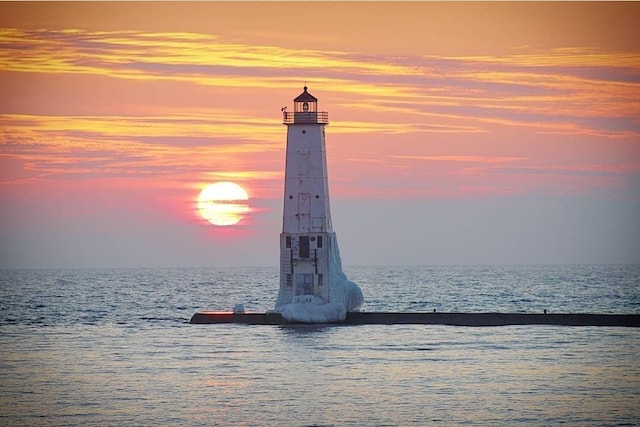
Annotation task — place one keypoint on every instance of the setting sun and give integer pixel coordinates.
(223, 203)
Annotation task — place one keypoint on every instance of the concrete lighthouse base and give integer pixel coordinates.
(429, 318)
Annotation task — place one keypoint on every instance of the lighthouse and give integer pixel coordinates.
(313, 287)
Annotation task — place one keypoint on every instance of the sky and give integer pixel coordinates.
(460, 133)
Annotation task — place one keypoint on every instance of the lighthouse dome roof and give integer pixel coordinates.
(305, 97)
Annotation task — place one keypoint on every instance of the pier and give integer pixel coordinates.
(432, 318)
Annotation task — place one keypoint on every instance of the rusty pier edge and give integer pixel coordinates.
(433, 318)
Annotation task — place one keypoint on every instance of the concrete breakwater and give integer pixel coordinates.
(433, 318)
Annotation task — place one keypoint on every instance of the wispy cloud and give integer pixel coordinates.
(559, 86)
(464, 159)
(70, 146)
(569, 91)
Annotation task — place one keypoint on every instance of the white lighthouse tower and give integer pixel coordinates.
(313, 287)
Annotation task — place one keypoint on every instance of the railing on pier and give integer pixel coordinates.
(321, 117)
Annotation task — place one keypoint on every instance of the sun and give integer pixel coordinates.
(223, 203)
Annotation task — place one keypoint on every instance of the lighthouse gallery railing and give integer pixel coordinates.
(321, 117)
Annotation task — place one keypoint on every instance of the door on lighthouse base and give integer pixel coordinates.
(304, 284)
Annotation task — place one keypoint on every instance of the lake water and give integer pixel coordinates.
(114, 347)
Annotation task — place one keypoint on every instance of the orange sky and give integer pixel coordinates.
(114, 115)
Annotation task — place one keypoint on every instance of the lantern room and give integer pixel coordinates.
(305, 103)
(305, 110)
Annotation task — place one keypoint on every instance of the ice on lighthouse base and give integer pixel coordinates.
(342, 295)
(345, 296)
(313, 309)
